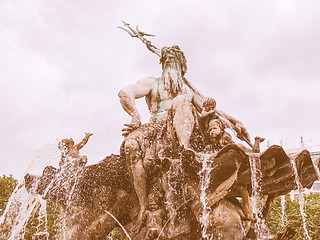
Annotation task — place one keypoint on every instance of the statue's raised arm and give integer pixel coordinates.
(178, 176)
(84, 141)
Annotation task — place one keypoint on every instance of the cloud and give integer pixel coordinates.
(63, 62)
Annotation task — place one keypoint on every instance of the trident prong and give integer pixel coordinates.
(143, 33)
(139, 34)
(128, 32)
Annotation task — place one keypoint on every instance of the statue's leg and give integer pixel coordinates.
(139, 176)
(178, 224)
(183, 119)
(170, 199)
(246, 203)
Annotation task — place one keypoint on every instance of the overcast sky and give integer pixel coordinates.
(62, 64)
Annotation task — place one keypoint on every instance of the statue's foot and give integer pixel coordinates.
(246, 218)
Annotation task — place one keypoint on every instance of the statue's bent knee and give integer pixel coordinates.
(131, 145)
(179, 101)
(132, 149)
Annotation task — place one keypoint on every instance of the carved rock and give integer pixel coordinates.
(86, 192)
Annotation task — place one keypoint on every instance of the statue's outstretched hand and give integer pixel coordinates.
(129, 127)
(88, 134)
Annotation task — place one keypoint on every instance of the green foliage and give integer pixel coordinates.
(7, 185)
(53, 219)
(41, 225)
(293, 216)
(115, 234)
(43, 222)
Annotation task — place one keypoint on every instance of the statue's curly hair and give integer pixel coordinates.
(179, 55)
(65, 142)
(209, 102)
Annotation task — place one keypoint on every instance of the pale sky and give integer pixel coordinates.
(63, 62)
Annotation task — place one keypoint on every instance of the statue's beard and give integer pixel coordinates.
(173, 80)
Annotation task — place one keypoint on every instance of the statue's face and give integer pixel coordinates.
(173, 57)
(66, 143)
(168, 57)
(209, 104)
(174, 68)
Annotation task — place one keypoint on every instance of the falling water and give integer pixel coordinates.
(24, 206)
(20, 207)
(128, 236)
(169, 218)
(260, 227)
(301, 200)
(283, 210)
(204, 184)
(174, 194)
(315, 162)
(42, 219)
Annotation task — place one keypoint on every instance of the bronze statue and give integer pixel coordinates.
(174, 108)
(169, 100)
(154, 218)
(70, 152)
(154, 189)
(214, 127)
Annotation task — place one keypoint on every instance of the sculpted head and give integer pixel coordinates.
(174, 66)
(65, 143)
(209, 103)
(173, 57)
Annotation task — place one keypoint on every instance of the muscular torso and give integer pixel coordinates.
(159, 100)
(73, 153)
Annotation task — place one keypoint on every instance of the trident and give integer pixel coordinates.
(139, 34)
